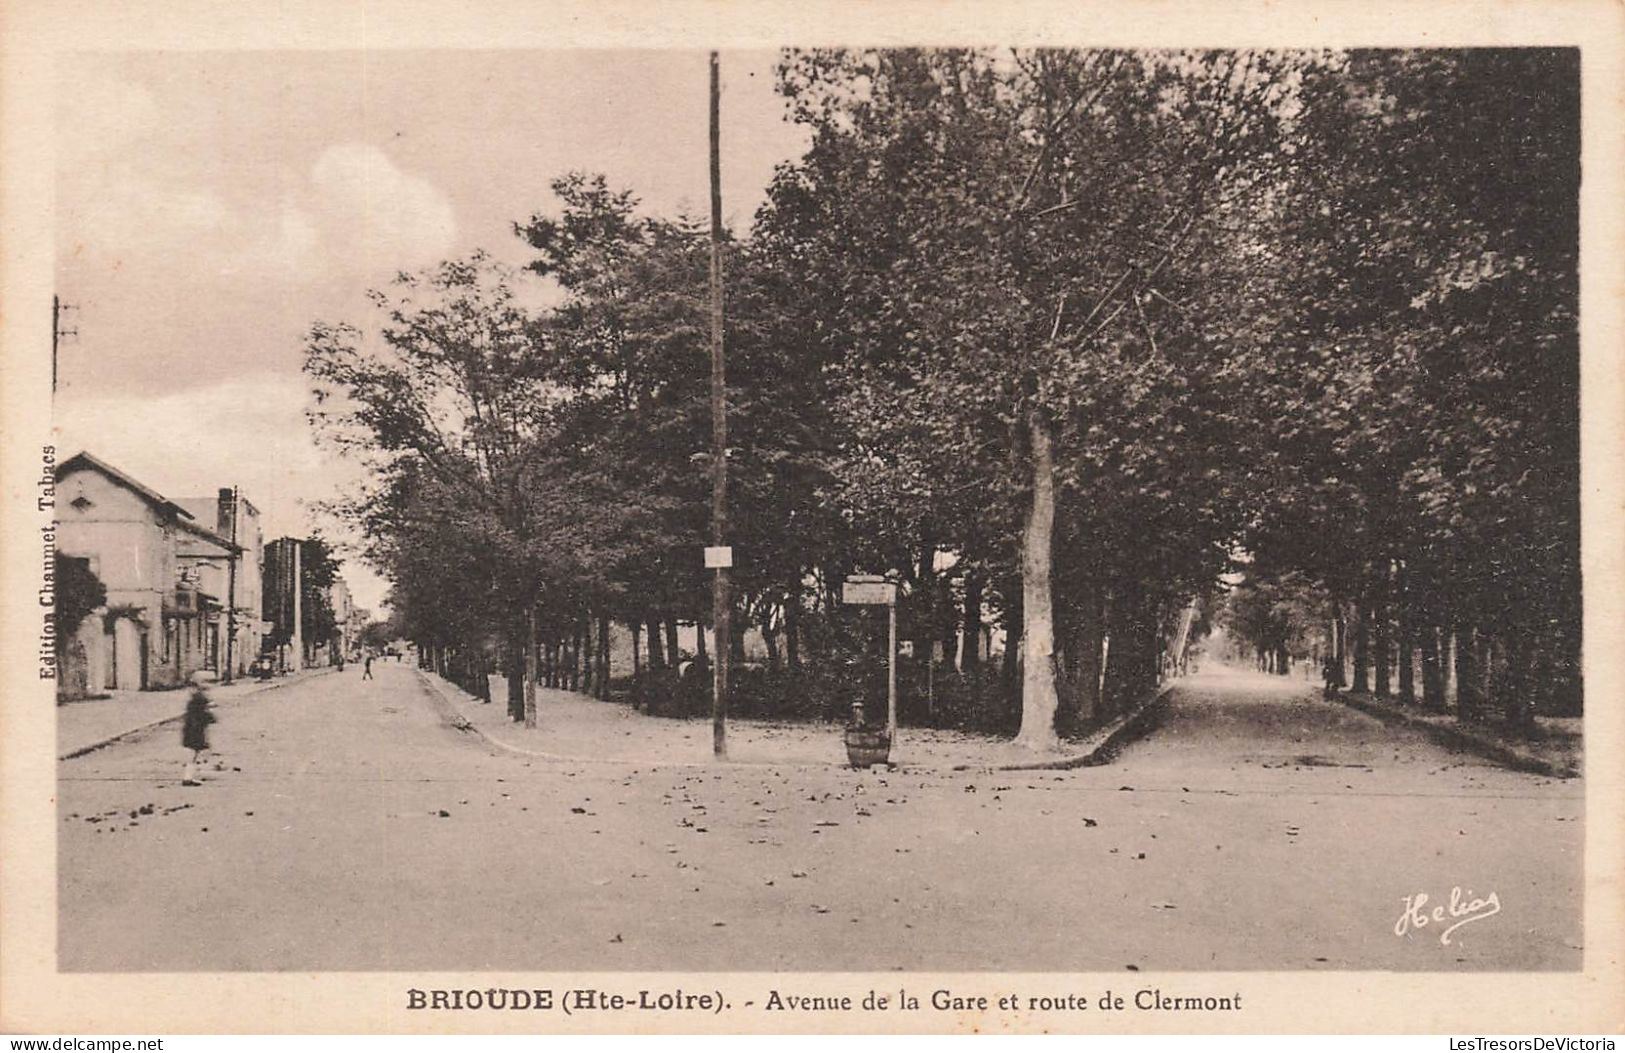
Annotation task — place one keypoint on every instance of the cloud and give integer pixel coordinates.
(134, 217)
(394, 220)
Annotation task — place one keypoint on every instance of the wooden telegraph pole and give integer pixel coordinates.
(719, 558)
(58, 308)
(231, 592)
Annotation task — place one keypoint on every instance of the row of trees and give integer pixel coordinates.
(1048, 336)
(1429, 484)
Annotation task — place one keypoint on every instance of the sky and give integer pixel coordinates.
(211, 206)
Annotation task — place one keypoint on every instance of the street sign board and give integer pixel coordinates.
(718, 557)
(873, 592)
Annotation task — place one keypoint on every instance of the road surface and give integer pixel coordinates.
(346, 827)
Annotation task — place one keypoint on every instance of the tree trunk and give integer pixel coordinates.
(1339, 643)
(482, 675)
(1091, 633)
(770, 637)
(1125, 667)
(603, 658)
(1012, 640)
(1432, 670)
(1362, 653)
(530, 665)
(1382, 658)
(516, 673)
(657, 654)
(926, 623)
(1468, 697)
(1039, 700)
(1407, 659)
(674, 652)
(736, 639)
(637, 659)
(971, 650)
(792, 626)
(589, 658)
(1515, 685)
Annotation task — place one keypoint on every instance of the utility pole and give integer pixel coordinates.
(298, 637)
(57, 333)
(723, 650)
(231, 592)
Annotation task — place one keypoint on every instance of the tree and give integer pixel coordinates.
(318, 571)
(450, 405)
(78, 592)
(1000, 231)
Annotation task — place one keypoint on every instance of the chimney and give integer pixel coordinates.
(226, 512)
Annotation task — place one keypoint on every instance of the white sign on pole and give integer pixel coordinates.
(719, 557)
(872, 592)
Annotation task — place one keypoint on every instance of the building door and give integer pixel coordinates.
(143, 646)
(110, 671)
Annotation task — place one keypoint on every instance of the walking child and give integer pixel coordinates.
(366, 668)
(195, 732)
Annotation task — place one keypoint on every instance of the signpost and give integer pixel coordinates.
(874, 590)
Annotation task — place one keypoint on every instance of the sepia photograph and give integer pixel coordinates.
(984, 509)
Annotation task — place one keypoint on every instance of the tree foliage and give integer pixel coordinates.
(1048, 337)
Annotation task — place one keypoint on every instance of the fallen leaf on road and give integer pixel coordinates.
(1089, 822)
(826, 822)
(798, 873)
(820, 910)
(617, 939)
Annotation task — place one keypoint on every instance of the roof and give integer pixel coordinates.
(157, 500)
(208, 535)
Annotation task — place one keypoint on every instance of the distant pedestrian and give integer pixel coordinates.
(195, 732)
(366, 668)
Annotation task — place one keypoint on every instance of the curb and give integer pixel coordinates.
(1460, 738)
(133, 732)
(1100, 747)
(446, 705)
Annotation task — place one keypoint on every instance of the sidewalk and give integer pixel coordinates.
(1557, 752)
(90, 724)
(574, 727)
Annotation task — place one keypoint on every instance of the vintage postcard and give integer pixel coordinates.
(1014, 517)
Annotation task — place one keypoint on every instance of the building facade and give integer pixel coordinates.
(239, 583)
(150, 553)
